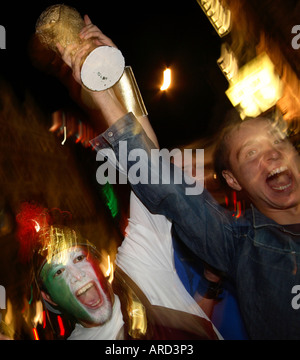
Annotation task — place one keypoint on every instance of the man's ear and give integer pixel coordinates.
(231, 180)
(47, 298)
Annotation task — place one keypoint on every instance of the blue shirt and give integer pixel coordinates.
(225, 315)
(258, 254)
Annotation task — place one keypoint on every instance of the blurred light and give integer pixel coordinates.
(167, 80)
(228, 62)
(44, 319)
(239, 210)
(218, 15)
(37, 225)
(107, 266)
(61, 326)
(31, 295)
(38, 318)
(65, 135)
(234, 200)
(226, 201)
(110, 199)
(107, 273)
(110, 271)
(256, 87)
(79, 132)
(137, 314)
(35, 334)
(9, 320)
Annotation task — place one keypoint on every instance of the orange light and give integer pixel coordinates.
(239, 210)
(35, 334)
(167, 80)
(107, 267)
(110, 270)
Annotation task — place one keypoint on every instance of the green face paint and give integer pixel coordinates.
(76, 284)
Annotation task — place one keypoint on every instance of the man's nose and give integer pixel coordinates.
(272, 154)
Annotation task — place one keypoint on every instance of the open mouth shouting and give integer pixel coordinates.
(280, 179)
(89, 296)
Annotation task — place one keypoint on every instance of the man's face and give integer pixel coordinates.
(264, 164)
(76, 284)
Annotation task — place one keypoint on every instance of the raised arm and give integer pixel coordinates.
(198, 220)
(104, 102)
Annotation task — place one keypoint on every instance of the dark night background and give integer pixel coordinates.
(152, 35)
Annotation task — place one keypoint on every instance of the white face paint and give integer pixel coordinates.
(75, 282)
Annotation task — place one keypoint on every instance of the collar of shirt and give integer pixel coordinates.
(260, 220)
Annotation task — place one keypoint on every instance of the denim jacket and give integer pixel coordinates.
(259, 255)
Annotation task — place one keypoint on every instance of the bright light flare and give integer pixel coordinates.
(110, 271)
(37, 226)
(107, 266)
(256, 87)
(35, 334)
(167, 80)
(38, 318)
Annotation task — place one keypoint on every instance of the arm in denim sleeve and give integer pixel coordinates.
(198, 220)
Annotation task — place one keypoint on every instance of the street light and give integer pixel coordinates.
(167, 80)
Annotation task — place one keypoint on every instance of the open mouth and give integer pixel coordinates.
(280, 179)
(89, 296)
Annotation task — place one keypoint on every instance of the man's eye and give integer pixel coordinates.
(251, 153)
(59, 272)
(279, 141)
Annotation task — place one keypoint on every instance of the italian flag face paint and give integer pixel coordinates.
(74, 281)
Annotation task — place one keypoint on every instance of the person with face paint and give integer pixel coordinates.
(90, 301)
(69, 276)
(146, 299)
(79, 279)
